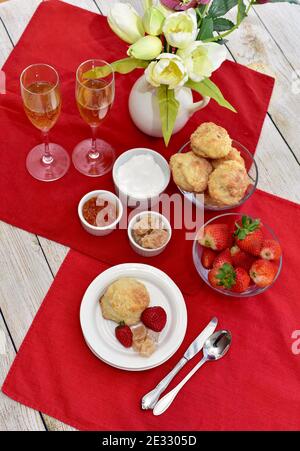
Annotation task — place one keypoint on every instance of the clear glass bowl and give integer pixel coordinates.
(230, 218)
(252, 170)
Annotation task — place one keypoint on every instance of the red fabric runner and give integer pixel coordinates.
(256, 386)
(64, 36)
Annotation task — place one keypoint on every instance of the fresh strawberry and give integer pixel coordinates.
(240, 258)
(242, 280)
(154, 318)
(124, 334)
(223, 257)
(207, 257)
(270, 250)
(215, 236)
(249, 236)
(222, 276)
(263, 272)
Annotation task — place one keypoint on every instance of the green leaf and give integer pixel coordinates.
(206, 29)
(123, 66)
(168, 109)
(207, 88)
(241, 12)
(220, 7)
(221, 24)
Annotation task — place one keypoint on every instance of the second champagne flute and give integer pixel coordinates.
(94, 96)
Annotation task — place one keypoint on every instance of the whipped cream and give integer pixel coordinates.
(141, 177)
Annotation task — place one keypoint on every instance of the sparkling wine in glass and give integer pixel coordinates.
(41, 97)
(94, 97)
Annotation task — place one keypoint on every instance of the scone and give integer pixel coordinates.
(233, 155)
(228, 183)
(190, 172)
(125, 300)
(210, 141)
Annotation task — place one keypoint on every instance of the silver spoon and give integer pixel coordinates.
(215, 347)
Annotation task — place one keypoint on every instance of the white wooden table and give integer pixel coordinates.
(268, 41)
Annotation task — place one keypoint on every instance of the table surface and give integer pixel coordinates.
(267, 41)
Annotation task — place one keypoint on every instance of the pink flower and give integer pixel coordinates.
(178, 5)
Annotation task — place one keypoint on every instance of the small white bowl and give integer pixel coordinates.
(109, 196)
(132, 200)
(139, 249)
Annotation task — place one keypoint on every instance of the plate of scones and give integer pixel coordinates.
(133, 317)
(214, 170)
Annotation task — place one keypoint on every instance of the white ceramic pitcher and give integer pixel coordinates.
(144, 109)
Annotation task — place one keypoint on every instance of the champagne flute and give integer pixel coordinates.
(41, 97)
(94, 96)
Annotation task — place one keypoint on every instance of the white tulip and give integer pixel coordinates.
(201, 59)
(168, 70)
(124, 20)
(146, 48)
(180, 29)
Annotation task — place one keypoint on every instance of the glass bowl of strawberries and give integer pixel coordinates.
(237, 255)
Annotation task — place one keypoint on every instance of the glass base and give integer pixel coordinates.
(47, 171)
(95, 166)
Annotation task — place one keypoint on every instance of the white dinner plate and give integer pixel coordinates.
(99, 333)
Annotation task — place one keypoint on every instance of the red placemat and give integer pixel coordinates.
(50, 209)
(256, 386)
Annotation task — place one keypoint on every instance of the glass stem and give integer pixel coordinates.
(47, 157)
(93, 153)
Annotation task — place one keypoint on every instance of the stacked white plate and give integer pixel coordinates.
(99, 333)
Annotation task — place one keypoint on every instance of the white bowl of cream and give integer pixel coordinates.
(140, 175)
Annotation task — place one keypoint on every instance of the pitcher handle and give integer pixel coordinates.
(199, 105)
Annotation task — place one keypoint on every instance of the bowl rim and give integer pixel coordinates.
(192, 195)
(96, 193)
(133, 151)
(144, 213)
(224, 291)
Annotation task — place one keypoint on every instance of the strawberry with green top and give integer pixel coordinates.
(227, 277)
(249, 235)
(215, 236)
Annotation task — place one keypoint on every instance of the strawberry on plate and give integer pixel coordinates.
(207, 258)
(263, 272)
(124, 334)
(249, 235)
(223, 257)
(154, 318)
(240, 258)
(270, 250)
(215, 236)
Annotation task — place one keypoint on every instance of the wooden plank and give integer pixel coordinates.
(13, 416)
(16, 22)
(105, 5)
(283, 23)
(24, 281)
(6, 45)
